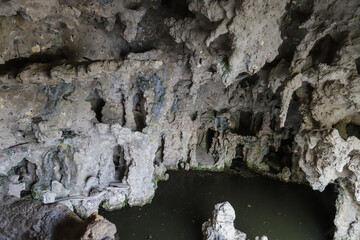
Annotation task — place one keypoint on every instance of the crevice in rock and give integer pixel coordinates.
(238, 161)
(205, 154)
(194, 116)
(294, 118)
(247, 81)
(67, 133)
(36, 120)
(139, 111)
(304, 96)
(221, 45)
(357, 63)
(159, 155)
(54, 94)
(159, 99)
(132, 5)
(325, 50)
(50, 58)
(119, 162)
(279, 158)
(123, 106)
(209, 135)
(174, 8)
(291, 32)
(275, 101)
(97, 104)
(249, 123)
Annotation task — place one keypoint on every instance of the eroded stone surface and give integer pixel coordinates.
(29, 219)
(99, 98)
(221, 225)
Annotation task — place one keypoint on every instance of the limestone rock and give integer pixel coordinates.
(98, 227)
(221, 225)
(25, 219)
(99, 98)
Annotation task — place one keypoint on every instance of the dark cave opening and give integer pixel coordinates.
(324, 50)
(210, 134)
(291, 32)
(238, 161)
(353, 130)
(249, 123)
(279, 158)
(139, 111)
(68, 133)
(174, 8)
(132, 5)
(97, 104)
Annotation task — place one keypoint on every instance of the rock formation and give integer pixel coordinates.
(28, 219)
(221, 225)
(99, 98)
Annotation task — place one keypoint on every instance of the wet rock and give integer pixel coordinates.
(221, 225)
(261, 238)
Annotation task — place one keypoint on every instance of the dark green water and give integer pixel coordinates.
(282, 211)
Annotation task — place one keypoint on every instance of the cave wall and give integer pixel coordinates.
(99, 98)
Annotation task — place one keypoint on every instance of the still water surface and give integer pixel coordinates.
(282, 211)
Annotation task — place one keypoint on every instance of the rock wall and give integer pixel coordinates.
(99, 98)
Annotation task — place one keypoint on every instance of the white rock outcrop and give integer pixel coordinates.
(221, 225)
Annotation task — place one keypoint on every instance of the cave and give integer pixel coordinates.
(238, 162)
(249, 123)
(136, 119)
(281, 157)
(353, 130)
(209, 135)
(325, 49)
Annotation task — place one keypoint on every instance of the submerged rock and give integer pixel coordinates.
(221, 225)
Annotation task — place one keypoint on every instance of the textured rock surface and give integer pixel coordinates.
(99, 98)
(221, 225)
(29, 219)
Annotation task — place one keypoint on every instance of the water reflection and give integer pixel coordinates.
(279, 210)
